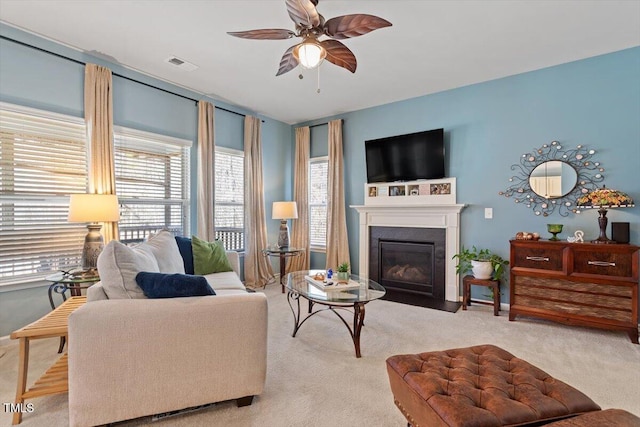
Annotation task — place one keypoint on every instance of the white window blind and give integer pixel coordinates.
(43, 158)
(318, 171)
(152, 183)
(229, 198)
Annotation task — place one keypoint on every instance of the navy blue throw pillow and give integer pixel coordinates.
(184, 245)
(160, 285)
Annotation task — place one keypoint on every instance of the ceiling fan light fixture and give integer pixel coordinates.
(309, 53)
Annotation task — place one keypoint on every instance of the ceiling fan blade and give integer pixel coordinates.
(266, 34)
(303, 13)
(340, 55)
(288, 61)
(346, 26)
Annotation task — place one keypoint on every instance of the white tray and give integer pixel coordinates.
(331, 285)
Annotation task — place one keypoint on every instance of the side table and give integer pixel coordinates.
(283, 254)
(55, 379)
(467, 281)
(63, 282)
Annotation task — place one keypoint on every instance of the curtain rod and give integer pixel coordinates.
(115, 74)
(319, 124)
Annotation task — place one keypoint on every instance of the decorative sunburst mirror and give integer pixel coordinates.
(552, 178)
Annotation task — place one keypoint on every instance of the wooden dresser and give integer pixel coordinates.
(576, 283)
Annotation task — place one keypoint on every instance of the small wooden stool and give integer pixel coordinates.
(467, 281)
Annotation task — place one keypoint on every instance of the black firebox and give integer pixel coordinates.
(410, 263)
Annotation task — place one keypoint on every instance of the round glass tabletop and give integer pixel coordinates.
(362, 290)
(274, 250)
(61, 277)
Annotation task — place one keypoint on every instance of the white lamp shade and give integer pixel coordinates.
(93, 208)
(284, 210)
(309, 53)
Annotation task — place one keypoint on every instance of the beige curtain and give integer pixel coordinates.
(206, 171)
(257, 269)
(337, 239)
(300, 228)
(98, 114)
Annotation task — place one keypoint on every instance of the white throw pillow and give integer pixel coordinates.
(165, 249)
(118, 266)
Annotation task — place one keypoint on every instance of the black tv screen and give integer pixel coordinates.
(408, 157)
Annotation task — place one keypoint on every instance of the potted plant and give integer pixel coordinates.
(483, 263)
(343, 272)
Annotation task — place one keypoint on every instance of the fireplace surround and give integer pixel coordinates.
(445, 217)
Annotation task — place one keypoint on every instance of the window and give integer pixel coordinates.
(152, 183)
(318, 171)
(229, 198)
(43, 158)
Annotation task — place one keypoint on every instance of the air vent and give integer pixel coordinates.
(181, 63)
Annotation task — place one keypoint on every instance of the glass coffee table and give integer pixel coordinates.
(299, 286)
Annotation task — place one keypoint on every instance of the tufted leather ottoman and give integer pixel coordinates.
(608, 417)
(480, 386)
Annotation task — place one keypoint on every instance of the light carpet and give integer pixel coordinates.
(316, 380)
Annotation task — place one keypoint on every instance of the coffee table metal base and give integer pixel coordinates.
(358, 316)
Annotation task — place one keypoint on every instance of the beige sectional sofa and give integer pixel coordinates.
(130, 357)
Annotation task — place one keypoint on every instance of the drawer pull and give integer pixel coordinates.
(602, 263)
(538, 258)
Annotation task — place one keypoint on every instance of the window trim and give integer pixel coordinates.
(318, 159)
(160, 139)
(43, 114)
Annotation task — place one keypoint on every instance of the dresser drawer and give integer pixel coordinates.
(602, 262)
(543, 258)
(613, 302)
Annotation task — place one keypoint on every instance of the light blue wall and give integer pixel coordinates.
(488, 126)
(37, 79)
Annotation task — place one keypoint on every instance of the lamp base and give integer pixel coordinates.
(605, 241)
(602, 222)
(283, 237)
(93, 245)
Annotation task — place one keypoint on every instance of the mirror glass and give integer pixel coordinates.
(553, 179)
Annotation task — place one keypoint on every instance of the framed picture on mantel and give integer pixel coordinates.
(397, 190)
(444, 188)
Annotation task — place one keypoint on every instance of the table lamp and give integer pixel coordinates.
(93, 208)
(602, 199)
(284, 211)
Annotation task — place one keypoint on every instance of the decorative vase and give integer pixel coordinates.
(554, 229)
(482, 269)
(342, 276)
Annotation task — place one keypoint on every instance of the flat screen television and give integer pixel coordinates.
(408, 157)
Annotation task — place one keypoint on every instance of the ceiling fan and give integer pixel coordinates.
(310, 26)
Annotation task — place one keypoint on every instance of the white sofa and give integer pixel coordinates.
(133, 357)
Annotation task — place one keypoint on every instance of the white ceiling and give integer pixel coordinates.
(433, 45)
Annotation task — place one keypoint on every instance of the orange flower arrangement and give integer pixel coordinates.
(605, 197)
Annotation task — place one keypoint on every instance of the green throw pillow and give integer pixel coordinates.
(209, 257)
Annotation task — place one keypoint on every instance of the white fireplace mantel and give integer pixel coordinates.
(427, 216)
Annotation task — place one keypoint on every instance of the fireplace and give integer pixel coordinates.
(396, 216)
(409, 262)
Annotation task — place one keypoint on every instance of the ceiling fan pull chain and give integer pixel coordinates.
(318, 90)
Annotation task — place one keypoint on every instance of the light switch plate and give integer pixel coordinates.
(488, 213)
